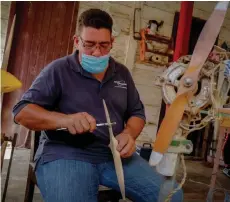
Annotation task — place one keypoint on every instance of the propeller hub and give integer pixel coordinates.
(188, 82)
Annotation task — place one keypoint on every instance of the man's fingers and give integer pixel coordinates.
(85, 124)
(91, 121)
(121, 143)
(72, 130)
(79, 128)
(126, 149)
(128, 154)
(79, 123)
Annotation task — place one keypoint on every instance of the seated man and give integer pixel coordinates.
(68, 93)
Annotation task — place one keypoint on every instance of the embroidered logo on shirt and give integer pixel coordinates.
(120, 84)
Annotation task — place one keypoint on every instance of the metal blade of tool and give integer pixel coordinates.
(188, 82)
(9, 82)
(116, 155)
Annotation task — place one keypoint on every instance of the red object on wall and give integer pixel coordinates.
(183, 31)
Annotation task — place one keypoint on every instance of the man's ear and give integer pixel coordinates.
(76, 39)
(112, 40)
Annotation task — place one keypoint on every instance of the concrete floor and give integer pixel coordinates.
(195, 188)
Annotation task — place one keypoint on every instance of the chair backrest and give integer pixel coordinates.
(35, 136)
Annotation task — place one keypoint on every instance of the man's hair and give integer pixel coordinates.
(95, 18)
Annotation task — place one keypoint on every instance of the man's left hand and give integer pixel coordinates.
(126, 144)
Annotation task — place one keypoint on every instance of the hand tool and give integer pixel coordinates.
(98, 125)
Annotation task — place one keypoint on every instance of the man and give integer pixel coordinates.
(68, 94)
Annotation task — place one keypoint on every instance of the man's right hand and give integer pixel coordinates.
(78, 123)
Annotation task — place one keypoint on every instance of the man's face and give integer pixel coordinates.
(95, 42)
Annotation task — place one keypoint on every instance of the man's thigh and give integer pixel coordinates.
(142, 182)
(68, 180)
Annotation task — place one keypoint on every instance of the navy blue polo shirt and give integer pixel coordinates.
(64, 86)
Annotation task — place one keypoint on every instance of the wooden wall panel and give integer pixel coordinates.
(43, 32)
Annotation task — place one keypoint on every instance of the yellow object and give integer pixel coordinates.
(9, 82)
(170, 124)
(225, 123)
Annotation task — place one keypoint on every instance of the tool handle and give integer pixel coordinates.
(98, 125)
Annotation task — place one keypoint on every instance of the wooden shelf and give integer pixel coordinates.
(152, 63)
(159, 53)
(158, 38)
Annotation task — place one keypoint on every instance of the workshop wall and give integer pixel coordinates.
(144, 74)
(126, 49)
(165, 11)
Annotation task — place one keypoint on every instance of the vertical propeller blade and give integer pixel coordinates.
(204, 45)
(202, 49)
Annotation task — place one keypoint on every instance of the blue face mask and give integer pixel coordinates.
(94, 64)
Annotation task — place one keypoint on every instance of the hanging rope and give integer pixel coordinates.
(168, 199)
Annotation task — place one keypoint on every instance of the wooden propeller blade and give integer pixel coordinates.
(202, 49)
(170, 124)
(204, 46)
(116, 155)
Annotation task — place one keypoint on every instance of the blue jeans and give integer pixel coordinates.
(78, 181)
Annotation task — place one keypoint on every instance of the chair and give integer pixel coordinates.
(105, 194)
(31, 178)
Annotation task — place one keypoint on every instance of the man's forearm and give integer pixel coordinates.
(35, 117)
(134, 126)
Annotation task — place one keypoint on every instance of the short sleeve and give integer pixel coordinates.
(135, 106)
(44, 91)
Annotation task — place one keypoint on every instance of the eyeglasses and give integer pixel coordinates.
(104, 46)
